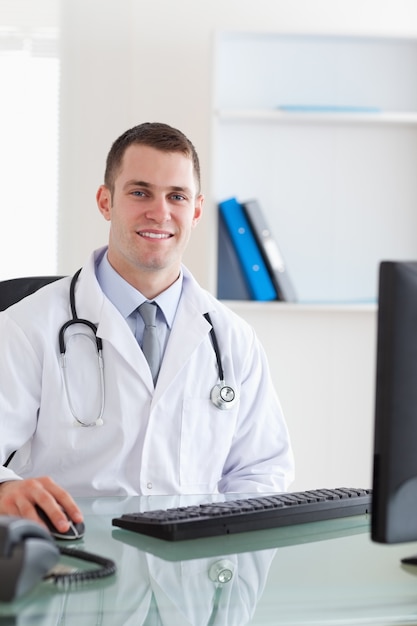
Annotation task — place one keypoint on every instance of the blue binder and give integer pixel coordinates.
(231, 283)
(255, 271)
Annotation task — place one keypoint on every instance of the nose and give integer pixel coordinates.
(159, 210)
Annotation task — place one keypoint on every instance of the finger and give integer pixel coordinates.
(64, 499)
(15, 498)
(31, 495)
(26, 497)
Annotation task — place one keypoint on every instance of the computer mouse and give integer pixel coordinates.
(75, 531)
(27, 553)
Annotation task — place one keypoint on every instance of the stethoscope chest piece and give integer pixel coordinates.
(223, 396)
(221, 572)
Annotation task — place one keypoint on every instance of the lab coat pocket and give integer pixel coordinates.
(206, 437)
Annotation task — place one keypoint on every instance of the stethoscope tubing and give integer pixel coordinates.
(223, 396)
(62, 349)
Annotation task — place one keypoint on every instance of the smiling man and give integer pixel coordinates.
(151, 217)
(199, 421)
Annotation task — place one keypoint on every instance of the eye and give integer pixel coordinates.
(138, 193)
(178, 197)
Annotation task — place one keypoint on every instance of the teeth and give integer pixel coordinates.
(155, 235)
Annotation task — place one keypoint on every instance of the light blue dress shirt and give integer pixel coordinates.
(127, 299)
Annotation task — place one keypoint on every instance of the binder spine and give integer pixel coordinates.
(255, 271)
(270, 251)
(231, 283)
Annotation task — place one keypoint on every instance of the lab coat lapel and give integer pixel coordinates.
(111, 326)
(188, 331)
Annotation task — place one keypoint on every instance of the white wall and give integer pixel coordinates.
(323, 364)
(130, 61)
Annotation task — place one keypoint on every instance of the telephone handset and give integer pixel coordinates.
(27, 553)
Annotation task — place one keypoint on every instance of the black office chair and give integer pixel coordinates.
(15, 289)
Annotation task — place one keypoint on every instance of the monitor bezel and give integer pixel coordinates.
(394, 501)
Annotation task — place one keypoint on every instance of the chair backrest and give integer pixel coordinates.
(15, 289)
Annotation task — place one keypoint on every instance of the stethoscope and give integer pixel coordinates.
(62, 349)
(223, 396)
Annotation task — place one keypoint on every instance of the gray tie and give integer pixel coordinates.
(150, 343)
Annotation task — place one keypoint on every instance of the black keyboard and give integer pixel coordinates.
(256, 513)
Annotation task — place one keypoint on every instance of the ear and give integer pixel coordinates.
(103, 198)
(198, 209)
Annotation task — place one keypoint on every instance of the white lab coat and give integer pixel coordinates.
(170, 439)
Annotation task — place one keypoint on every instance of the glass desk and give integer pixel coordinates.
(321, 573)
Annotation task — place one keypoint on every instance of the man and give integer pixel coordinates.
(151, 433)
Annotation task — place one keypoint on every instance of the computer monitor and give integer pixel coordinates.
(394, 499)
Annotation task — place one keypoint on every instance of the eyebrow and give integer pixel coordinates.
(143, 183)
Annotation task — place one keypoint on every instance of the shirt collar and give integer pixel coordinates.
(126, 298)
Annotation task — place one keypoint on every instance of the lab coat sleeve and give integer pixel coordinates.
(260, 458)
(20, 376)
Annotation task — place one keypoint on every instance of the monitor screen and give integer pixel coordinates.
(394, 500)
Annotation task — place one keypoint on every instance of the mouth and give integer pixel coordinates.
(149, 234)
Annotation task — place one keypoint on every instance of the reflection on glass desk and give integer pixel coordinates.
(319, 573)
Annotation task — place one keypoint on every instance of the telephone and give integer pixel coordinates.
(27, 553)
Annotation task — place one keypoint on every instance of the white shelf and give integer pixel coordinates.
(275, 308)
(284, 117)
(337, 186)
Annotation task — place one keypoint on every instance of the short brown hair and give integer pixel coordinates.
(153, 134)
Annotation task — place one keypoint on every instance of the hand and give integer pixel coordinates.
(19, 497)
